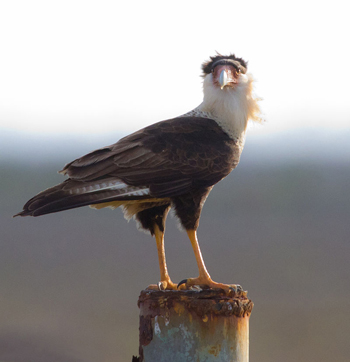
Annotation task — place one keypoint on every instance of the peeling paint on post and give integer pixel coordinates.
(205, 326)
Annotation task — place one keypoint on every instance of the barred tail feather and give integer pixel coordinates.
(72, 194)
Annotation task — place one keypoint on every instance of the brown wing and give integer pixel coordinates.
(171, 157)
(164, 160)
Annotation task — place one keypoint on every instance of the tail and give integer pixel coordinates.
(71, 194)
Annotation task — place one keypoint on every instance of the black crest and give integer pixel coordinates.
(222, 59)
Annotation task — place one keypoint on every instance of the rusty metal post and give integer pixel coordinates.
(205, 326)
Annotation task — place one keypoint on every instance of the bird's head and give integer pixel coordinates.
(226, 71)
(228, 93)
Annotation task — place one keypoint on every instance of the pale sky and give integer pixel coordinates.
(71, 67)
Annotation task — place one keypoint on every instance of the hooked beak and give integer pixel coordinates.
(223, 79)
(226, 78)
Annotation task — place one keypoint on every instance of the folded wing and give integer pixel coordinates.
(164, 160)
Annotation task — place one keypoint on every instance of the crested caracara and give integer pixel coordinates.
(170, 164)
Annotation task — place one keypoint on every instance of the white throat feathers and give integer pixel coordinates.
(231, 108)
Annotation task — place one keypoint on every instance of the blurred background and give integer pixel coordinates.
(78, 75)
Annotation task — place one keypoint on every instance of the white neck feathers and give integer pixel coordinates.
(231, 108)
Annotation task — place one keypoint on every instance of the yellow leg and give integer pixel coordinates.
(165, 281)
(203, 272)
(204, 280)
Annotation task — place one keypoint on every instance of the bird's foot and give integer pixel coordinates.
(207, 283)
(163, 285)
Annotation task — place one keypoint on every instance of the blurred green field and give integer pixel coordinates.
(70, 281)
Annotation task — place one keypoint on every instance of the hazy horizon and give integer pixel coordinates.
(308, 144)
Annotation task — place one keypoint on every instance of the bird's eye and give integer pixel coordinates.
(239, 71)
(212, 70)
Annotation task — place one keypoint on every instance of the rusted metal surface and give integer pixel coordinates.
(205, 326)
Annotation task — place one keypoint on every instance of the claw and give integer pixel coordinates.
(203, 283)
(163, 285)
(184, 281)
(236, 288)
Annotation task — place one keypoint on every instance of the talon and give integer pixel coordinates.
(153, 287)
(237, 289)
(202, 283)
(234, 288)
(184, 281)
(163, 285)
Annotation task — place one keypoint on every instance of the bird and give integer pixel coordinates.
(171, 164)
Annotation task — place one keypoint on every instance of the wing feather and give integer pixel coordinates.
(183, 151)
(164, 160)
